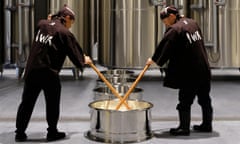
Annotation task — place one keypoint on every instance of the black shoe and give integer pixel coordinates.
(52, 136)
(202, 128)
(20, 137)
(179, 132)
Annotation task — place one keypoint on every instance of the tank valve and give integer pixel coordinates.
(220, 2)
(158, 2)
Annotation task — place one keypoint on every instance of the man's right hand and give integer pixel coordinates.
(149, 61)
(87, 60)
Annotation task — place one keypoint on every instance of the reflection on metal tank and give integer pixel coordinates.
(1, 36)
(219, 20)
(229, 32)
(18, 32)
(127, 33)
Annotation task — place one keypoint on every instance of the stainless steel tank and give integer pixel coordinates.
(219, 20)
(18, 32)
(127, 33)
(1, 36)
(229, 32)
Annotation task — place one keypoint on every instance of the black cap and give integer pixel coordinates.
(168, 10)
(66, 11)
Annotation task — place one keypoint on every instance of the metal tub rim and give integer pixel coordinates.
(103, 89)
(118, 72)
(101, 109)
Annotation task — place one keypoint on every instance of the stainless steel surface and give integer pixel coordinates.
(18, 24)
(7, 31)
(127, 33)
(18, 30)
(117, 73)
(219, 21)
(112, 126)
(229, 36)
(206, 15)
(1, 36)
(115, 80)
(104, 93)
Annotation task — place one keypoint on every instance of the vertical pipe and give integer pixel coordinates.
(1, 36)
(94, 25)
(125, 36)
(2, 31)
(7, 31)
(139, 18)
(20, 27)
(215, 30)
(112, 24)
(201, 6)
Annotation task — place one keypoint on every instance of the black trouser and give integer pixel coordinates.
(187, 95)
(35, 81)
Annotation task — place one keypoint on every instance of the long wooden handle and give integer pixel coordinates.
(132, 86)
(109, 85)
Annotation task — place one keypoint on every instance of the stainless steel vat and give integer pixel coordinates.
(120, 126)
(117, 73)
(104, 93)
(115, 80)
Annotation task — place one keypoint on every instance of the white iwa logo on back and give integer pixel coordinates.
(45, 39)
(192, 37)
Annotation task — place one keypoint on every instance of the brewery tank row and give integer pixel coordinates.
(111, 125)
(121, 33)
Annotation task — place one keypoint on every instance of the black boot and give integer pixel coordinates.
(179, 131)
(202, 128)
(206, 125)
(183, 128)
(54, 135)
(20, 137)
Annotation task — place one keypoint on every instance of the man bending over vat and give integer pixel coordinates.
(52, 43)
(187, 68)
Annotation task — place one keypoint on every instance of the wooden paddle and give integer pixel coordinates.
(109, 85)
(132, 86)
